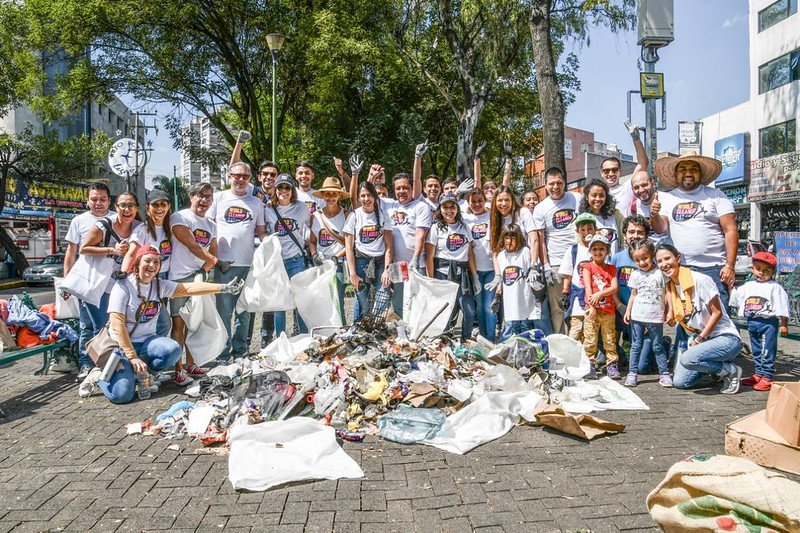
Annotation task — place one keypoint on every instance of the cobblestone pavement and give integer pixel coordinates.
(67, 463)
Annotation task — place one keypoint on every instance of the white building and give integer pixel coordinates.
(203, 153)
(766, 125)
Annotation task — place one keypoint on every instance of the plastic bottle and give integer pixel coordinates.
(144, 385)
(398, 272)
(111, 365)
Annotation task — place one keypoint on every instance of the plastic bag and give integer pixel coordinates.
(424, 297)
(283, 349)
(568, 358)
(66, 304)
(88, 278)
(267, 286)
(527, 350)
(270, 392)
(408, 426)
(316, 296)
(205, 332)
(329, 399)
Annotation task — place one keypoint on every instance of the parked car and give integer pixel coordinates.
(744, 257)
(44, 270)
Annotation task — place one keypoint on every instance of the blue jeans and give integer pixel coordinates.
(705, 358)
(164, 321)
(293, 265)
(764, 341)
(397, 298)
(92, 319)
(515, 327)
(465, 301)
(363, 295)
(226, 305)
(653, 332)
(713, 273)
(487, 320)
(160, 353)
(546, 322)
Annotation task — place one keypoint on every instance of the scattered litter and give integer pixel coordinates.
(135, 428)
(174, 447)
(584, 426)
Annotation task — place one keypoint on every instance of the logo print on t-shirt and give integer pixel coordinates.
(368, 234)
(563, 218)
(686, 211)
(455, 241)
(148, 311)
(624, 275)
(202, 237)
(284, 226)
(325, 238)
(312, 207)
(165, 250)
(755, 305)
(235, 214)
(479, 231)
(511, 274)
(399, 218)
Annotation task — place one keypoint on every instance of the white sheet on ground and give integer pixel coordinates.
(273, 453)
(486, 419)
(602, 395)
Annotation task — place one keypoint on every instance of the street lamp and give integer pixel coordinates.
(275, 41)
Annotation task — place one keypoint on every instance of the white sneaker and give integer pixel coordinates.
(89, 385)
(732, 376)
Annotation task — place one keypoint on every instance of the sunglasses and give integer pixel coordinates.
(240, 176)
(266, 173)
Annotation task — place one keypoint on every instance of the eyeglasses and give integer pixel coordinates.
(240, 176)
(266, 173)
(205, 197)
(610, 170)
(127, 206)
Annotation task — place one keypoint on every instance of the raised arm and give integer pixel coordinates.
(419, 152)
(507, 151)
(642, 161)
(476, 165)
(236, 155)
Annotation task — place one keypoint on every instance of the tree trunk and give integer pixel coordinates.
(552, 101)
(466, 137)
(6, 241)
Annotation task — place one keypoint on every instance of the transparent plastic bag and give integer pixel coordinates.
(409, 426)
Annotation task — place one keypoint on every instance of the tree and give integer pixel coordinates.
(30, 156)
(174, 187)
(553, 22)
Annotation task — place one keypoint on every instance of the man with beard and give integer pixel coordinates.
(611, 168)
(649, 206)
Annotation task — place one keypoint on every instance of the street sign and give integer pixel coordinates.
(122, 156)
(651, 85)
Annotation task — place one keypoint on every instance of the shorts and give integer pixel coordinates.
(175, 304)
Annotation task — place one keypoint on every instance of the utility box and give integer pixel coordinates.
(656, 22)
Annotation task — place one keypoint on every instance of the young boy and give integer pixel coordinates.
(600, 283)
(572, 290)
(764, 304)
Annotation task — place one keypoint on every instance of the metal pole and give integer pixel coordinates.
(175, 206)
(136, 156)
(274, 106)
(649, 57)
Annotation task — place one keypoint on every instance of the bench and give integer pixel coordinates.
(50, 352)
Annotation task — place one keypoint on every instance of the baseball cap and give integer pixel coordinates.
(157, 195)
(585, 218)
(448, 198)
(598, 238)
(767, 258)
(285, 179)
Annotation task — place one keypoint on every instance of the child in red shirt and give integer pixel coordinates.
(600, 282)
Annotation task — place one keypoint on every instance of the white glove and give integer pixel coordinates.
(414, 265)
(633, 129)
(492, 285)
(549, 275)
(421, 149)
(465, 186)
(356, 164)
(234, 286)
(476, 282)
(318, 258)
(535, 280)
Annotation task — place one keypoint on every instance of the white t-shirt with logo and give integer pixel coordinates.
(431, 205)
(657, 238)
(80, 225)
(704, 291)
(761, 299)
(568, 267)
(295, 219)
(649, 303)
(327, 244)
(237, 218)
(623, 194)
(116, 259)
(367, 231)
(481, 240)
(125, 300)
(607, 227)
(141, 236)
(519, 303)
(557, 219)
(312, 202)
(694, 224)
(184, 263)
(452, 242)
(405, 221)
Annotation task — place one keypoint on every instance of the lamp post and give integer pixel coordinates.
(275, 41)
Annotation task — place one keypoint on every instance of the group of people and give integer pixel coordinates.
(618, 258)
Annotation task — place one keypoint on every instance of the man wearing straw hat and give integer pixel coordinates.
(700, 219)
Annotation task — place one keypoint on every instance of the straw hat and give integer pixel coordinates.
(332, 185)
(665, 168)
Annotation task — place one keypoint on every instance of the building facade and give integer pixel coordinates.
(203, 153)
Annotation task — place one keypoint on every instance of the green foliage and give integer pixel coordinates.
(174, 187)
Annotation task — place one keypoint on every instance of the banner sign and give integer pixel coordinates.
(689, 138)
(737, 195)
(732, 152)
(43, 197)
(787, 248)
(775, 178)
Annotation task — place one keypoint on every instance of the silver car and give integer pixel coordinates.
(44, 270)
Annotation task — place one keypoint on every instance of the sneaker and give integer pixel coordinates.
(161, 377)
(752, 380)
(764, 384)
(195, 370)
(630, 380)
(84, 371)
(89, 384)
(182, 378)
(612, 371)
(665, 380)
(731, 379)
(592, 371)
(153, 384)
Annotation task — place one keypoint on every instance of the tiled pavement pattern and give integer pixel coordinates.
(67, 464)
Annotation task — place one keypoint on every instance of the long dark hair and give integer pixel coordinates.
(151, 225)
(137, 216)
(376, 202)
(496, 219)
(611, 203)
(439, 218)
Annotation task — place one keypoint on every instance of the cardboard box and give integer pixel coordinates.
(783, 410)
(752, 438)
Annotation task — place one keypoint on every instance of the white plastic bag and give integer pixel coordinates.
(425, 297)
(88, 278)
(568, 358)
(316, 296)
(267, 286)
(205, 331)
(66, 304)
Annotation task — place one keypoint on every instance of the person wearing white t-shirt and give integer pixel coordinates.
(98, 201)
(477, 219)
(696, 307)
(194, 249)
(133, 307)
(572, 290)
(554, 222)
(304, 175)
(598, 201)
(611, 167)
(239, 217)
(648, 205)
(369, 248)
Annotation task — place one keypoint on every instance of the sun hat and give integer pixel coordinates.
(157, 195)
(285, 179)
(585, 218)
(665, 168)
(332, 185)
(767, 258)
(599, 238)
(447, 198)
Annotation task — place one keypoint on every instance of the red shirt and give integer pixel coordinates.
(602, 275)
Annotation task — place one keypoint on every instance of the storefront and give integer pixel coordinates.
(775, 189)
(733, 152)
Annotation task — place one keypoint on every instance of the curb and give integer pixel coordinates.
(12, 284)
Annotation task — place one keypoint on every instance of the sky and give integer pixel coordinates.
(706, 70)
